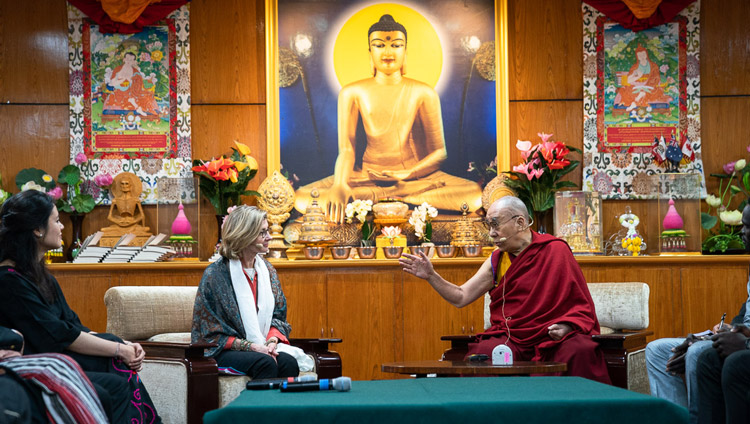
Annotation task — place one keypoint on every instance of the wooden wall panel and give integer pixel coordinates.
(545, 47)
(32, 136)
(563, 119)
(306, 303)
(33, 52)
(361, 312)
(724, 133)
(725, 47)
(227, 49)
(705, 297)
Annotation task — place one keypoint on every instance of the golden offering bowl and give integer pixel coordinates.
(416, 250)
(445, 251)
(340, 252)
(392, 252)
(314, 252)
(367, 252)
(471, 251)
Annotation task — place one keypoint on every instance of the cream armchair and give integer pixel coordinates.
(182, 382)
(622, 310)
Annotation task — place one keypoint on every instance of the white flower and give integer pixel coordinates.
(739, 165)
(713, 201)
(731, 217)
(358, 208)
(31, 185)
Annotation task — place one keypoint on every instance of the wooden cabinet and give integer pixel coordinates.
(385, 315)
(359, 308)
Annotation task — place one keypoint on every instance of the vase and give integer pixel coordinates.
(76, 221)
(542, 220)
(219, 222)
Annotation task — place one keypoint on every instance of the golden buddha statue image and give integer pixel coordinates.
(405, 142)
(125, 212)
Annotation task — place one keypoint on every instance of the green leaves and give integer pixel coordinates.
(36, 175)
(70, 175)
(708, 221)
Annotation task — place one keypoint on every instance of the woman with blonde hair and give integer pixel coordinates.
(240, 306)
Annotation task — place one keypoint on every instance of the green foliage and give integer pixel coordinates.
(76, 202)
(36, 175)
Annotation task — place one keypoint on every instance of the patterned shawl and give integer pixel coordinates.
(216, 315)
(68, 394)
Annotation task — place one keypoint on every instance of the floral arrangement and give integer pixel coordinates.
(391, 232)
(362, 209)
(78, 201)
(728, 233)
(539, 175)
(224, 180)
(421, 219)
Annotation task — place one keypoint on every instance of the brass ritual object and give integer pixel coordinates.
(315, 231)
(277, 199)
(464, 232)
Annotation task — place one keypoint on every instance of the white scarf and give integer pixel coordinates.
(258, 325)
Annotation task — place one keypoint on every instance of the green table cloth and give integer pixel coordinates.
(543, 400)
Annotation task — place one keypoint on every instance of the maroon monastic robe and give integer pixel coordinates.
(544, 286)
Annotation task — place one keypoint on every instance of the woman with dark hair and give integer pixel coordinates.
(240, 306)
(32, 302)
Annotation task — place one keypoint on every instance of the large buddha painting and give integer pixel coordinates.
(383, 100)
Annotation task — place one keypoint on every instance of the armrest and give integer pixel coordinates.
(327, 362)
(627, 340)
(202, 373)
(459, 347)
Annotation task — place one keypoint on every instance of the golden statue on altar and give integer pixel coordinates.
(125, 212)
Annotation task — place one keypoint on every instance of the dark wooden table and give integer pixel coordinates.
(453, 368)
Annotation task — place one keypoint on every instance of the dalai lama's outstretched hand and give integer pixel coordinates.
(418, 266)
(558, 331)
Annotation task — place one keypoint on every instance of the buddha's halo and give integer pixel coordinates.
(347, 45)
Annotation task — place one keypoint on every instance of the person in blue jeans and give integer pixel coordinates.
(672, 363)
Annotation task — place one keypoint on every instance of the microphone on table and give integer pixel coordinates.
(275, 383)
(342, 384)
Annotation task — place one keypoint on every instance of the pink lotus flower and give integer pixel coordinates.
(55, 193)
(103, 180)
(728, 168)
(81, 158)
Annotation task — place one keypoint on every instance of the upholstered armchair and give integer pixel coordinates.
(182, 382)
(622, 310)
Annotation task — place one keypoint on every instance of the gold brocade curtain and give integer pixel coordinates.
(642, 9)
(125, 11)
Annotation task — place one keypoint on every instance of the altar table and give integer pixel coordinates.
(529, 400)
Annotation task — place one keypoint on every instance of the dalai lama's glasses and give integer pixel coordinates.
(492, 224)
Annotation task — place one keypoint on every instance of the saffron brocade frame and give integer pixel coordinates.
(171, 156)
(624, 170)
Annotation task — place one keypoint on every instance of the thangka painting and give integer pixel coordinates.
(641, 106)
(129, 100)
(409, 132)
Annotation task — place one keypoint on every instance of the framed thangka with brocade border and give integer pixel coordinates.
(323, 52)
(641, 103)
(129, 100)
